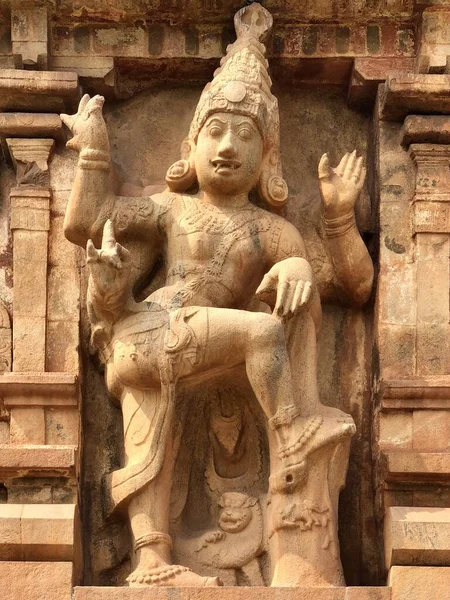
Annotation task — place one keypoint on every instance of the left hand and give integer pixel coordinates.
(340, 187)
(292, 280)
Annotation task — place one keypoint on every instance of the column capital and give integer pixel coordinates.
(30, 158)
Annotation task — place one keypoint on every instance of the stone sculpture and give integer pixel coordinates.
(238, 290)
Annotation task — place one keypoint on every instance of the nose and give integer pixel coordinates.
(227, 147)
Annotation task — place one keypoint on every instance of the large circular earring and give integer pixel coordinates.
(277, 190)
(180, 176)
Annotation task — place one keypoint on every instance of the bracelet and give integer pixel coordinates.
(92, 159)
(337, 227)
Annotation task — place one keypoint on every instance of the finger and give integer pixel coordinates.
(108, 239)
(268, 284)
(324, 167)
(357, 168)
(83, 103)
(297, 296)
(362, 178)
(307, 290)
(91, 252)
(286, 309)
(341, 166)
(282, 291)
(350, 164)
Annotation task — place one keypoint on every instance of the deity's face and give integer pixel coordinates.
(229, 154)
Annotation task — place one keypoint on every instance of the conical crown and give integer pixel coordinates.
(242, 84)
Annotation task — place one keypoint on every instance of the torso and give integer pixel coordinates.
(214, 257)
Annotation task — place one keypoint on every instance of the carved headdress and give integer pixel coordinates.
(241, 85)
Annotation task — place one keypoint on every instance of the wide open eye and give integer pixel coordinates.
(215, 131)
(245, 133)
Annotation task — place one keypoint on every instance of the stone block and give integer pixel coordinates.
(27, 425)
(417, 536)
(418, 466)
(37, 532)
(62, 346)
(63, 294)
(123, 41)
(90, 66)
(33, 91)
(29, 344)
(432, 279)
(397, 349)
(233, 593)
(36, 580)
(396, 298)
(31, 125)
(419, 583)
(37, 460)
(422, 393)
(61, 426)
(39, 389)
(48, 531)
(61, 252)
(409, 94)
(10, 534)
(396, 430)
(433, 349)
(431, 430)
(426, 129)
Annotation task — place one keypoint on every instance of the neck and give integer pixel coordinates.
(225, 200)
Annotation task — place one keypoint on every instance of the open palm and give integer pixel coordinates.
(340, 186)
(87, 125)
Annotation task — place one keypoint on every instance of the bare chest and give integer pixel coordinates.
(218, 240)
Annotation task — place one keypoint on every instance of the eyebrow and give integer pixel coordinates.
(248, 122)
(211, 119)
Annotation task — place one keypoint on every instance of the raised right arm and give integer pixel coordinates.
(92, 200)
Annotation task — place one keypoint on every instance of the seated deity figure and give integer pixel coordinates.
(238, 290)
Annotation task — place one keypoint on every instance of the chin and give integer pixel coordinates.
(225, 184)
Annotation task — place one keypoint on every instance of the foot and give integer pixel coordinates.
(170, 576)
(300, 435)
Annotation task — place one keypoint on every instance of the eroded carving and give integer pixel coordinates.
(239, 293)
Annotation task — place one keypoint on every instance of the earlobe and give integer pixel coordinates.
(182, 175)
(271, 186)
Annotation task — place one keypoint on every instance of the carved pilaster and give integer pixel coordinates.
(30, 222)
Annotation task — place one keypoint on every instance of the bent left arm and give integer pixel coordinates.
(340, 188)
(289, 286)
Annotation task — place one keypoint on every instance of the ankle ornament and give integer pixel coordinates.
(155, 537)
(284, 416)
(311, 427)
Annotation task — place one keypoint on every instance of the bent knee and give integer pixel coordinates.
(267, 330)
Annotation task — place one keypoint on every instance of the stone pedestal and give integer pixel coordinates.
(233, 593)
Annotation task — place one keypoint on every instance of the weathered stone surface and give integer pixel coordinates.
(420, 583)
(37, 459)
(409, 94)
(36, 580)
(31, 125)
(38, 532)
(418, 466)
(37, 91)
(417, 536)
(255, 593)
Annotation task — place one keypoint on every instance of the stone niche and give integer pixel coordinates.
(370, 76)
(144, 140)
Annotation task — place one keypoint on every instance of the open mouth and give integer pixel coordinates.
(224, 166)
